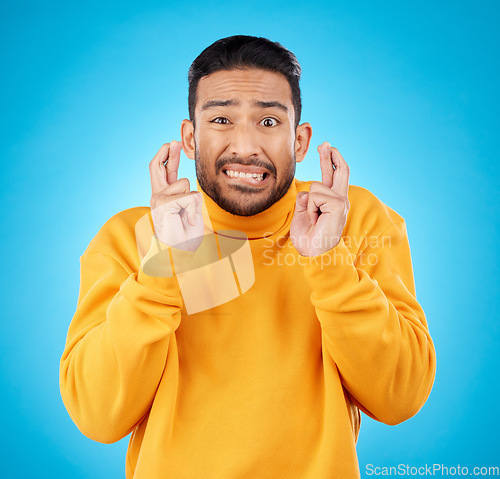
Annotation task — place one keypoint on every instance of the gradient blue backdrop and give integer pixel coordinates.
(408, 92)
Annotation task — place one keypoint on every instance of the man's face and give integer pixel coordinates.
(244, 139)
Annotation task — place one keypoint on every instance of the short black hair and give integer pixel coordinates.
(241, 52)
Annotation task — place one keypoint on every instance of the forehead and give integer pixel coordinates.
(251, 85)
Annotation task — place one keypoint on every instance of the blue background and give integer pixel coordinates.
(408, 92)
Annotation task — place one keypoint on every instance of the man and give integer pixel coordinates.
(260, 373)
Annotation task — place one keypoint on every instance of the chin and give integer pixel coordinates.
(245, 200)
(244, 208)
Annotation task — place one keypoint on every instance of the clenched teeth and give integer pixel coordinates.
(240, 174)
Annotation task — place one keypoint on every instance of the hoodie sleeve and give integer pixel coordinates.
(373, 327)
(118, 342)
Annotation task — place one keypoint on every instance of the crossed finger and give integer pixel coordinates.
(334, 169)
(164, 166)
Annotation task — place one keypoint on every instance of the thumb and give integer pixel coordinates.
(301, 202)
(191, 213)
(197, 209)
(193, 207)
(197, 198)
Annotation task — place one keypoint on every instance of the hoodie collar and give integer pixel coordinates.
(273, 220)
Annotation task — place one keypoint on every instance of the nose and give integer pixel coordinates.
(245, 141)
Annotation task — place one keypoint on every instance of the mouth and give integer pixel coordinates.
(247, 174)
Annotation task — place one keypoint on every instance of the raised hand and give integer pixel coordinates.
(321, 214)
(176, 210)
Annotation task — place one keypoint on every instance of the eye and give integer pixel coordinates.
(269, 122)
(220, 120)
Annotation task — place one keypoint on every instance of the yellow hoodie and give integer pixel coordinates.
(265, 385)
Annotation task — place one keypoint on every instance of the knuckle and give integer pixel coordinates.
(313, 194)
(184, 183)
(315, 185)
(170, 189)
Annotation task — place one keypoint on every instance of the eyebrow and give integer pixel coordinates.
(261, 104)
(271, 104)
(215, 103)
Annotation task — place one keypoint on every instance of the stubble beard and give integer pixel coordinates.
(246, 205)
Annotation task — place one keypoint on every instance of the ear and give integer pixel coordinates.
(187, 137)
(303, 137)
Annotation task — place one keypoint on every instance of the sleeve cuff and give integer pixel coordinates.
(164, 261)
(332, 269)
